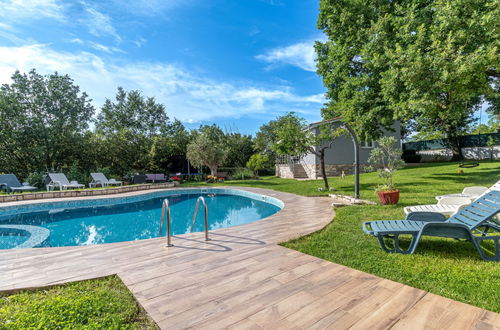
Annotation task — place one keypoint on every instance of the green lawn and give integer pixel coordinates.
(96, 304)
(443, 266)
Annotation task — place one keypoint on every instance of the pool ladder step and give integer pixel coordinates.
(165, 209)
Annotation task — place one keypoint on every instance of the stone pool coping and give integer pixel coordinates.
(83, 193)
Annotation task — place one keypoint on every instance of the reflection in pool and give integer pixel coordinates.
(126, 220)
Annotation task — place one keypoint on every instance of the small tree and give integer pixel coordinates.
(208, 148)
(388, 160)
(295, 138)
(257, 162)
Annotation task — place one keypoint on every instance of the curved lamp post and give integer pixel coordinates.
(356, 159)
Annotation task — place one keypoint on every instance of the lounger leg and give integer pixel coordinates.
(496, 247)
(397, 249)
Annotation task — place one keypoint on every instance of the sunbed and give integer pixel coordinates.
(100, 178)
(472, 192)
(10, 183)
(60, 180)
(475, 223)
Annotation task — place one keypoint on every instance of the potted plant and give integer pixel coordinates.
(387, 158)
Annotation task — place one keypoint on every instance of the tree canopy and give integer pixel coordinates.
(428, 63)
(43, 120)
(208, 148)
(292, 136)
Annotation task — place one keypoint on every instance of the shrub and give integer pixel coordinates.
(36, 178)
(388, 160)
(411, 156)
(257, 162)
(75, 173)
(243, 174)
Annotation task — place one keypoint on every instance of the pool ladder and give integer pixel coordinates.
(165, 208)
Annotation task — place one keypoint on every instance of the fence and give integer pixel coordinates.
(473, 147)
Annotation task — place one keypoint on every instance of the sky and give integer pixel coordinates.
(236, 63)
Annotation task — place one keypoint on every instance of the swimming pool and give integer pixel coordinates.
(118, 219)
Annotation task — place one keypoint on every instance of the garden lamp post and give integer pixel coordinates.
(356, 159)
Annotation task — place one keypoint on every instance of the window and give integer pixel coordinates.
(367, 144)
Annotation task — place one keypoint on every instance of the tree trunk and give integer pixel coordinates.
(323, 170)
(456, 149)
(213, 170)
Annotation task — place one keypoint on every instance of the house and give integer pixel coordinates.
(339, 159)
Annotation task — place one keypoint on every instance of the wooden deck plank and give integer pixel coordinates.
(243, 280)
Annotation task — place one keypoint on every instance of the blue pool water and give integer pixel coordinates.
(130, 219)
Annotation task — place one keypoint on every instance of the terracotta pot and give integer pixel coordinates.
(388, 197)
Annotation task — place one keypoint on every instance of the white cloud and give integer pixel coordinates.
(301, 55)
(15, 11)
(187, 96)
(150, 7)
(99, 24)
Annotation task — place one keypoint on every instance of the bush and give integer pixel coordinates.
(75, 173)
(36, 179)
(410, 156)
(257, 162)
(243, 174)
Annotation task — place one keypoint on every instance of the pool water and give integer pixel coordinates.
(135, 220)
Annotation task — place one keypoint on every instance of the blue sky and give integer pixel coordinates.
(238, 63)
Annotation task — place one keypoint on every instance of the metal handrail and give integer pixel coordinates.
(196, 213)
(166, 207)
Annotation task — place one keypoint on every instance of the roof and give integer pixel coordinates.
(332, 120)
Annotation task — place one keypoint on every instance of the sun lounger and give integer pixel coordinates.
(10, 183)
(60, 180)
(155, 178)
(100, 178)
(475, 223)
(472, 192)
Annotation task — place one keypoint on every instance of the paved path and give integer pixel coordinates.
(243, 279)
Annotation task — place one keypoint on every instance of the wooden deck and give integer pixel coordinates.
(243, 279)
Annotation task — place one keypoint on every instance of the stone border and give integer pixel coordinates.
(341, 200)
(81, 193)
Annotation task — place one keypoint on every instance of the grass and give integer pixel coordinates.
(442, 266)
(103, 303)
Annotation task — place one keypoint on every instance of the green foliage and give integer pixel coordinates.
(129, 132)
(75, 173)
(239, 149)
(257, 162)
(43, 122)
(293, 137)
(242, 173)
(208, 148)
(36, 178)
(387, 158)
(97, 304)
(429, 63)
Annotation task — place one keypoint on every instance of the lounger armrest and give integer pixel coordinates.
(425, 216)
(367, 228)
(455, 201)
(475, 190)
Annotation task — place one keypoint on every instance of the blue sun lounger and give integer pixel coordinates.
(475, 223)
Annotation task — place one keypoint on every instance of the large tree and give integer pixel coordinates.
(426, 62)
(44, 122)
(130, 130)
(208, 147)
(240, 149)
